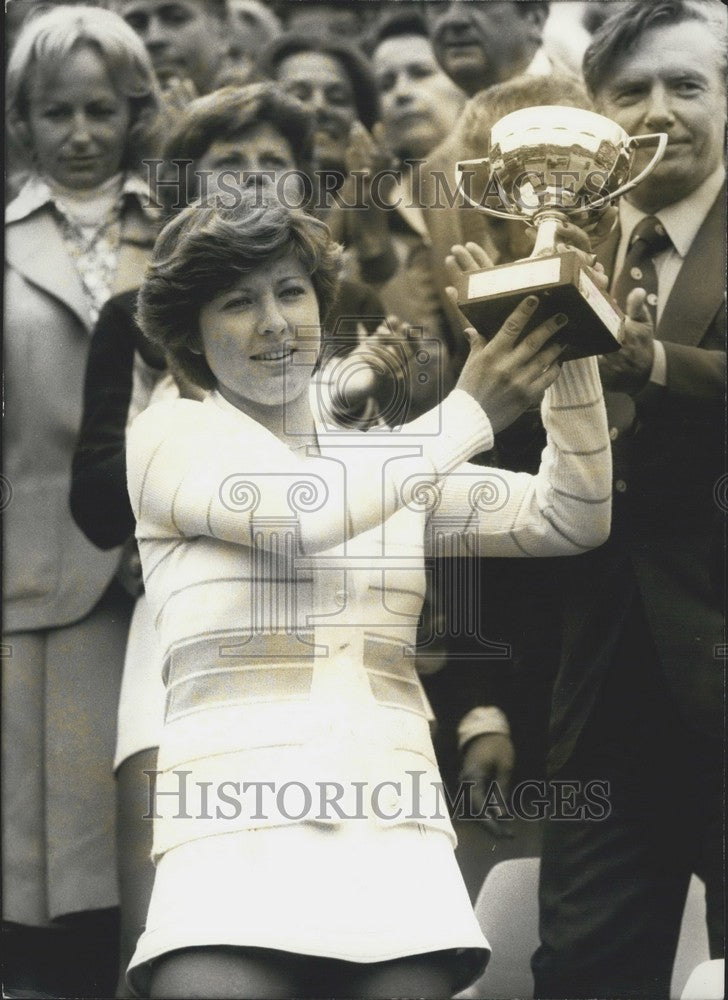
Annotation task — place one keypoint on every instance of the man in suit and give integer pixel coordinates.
(505, 670)
(515, 598)
(638, 699)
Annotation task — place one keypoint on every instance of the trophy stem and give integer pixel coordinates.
(547, 224)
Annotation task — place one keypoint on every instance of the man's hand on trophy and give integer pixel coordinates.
(461, 259)
(596, 268)
(511, 372)
(604, 227)
(629, 369)
(574, 237)
(472, 257)
(591, 238)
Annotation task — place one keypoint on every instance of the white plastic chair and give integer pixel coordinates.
(707, 982)
(692, 946)
(507, 910)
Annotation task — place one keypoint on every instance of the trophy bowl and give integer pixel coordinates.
(547, 165)
(566, 161)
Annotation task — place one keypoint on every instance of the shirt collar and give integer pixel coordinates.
(322, 420)
(36, 194)
(215, 398)
(403, 200)
(540, 65)
(683, 219)
(137, 189)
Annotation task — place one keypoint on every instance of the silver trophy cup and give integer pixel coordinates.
(548, 165)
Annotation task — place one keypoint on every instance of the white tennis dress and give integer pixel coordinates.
(299, 804)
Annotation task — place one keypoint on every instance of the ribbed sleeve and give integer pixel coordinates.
(564, 510)
(195, 470)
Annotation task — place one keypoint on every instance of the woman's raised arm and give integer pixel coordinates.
(564, 509)
(195, 470)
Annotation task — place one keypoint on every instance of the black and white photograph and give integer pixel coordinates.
(364, 493)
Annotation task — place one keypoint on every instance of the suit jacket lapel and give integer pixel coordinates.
(697, 294)
(34, 247)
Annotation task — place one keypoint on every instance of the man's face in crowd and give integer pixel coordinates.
(321, 84)
(673, 82)
(183, 37)
(252, 25)
(419, 102)
(482, 42)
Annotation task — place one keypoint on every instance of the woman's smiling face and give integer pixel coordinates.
(262, 336)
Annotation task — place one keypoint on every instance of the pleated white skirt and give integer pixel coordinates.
(359, 892)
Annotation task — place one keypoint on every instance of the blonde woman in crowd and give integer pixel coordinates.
(81, 94)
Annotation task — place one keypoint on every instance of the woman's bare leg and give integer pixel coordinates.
(134, 795)
(424, 976)
(228, 974)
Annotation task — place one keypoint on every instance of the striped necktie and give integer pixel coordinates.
(648, 239)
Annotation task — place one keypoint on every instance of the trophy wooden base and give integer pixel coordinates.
(562, 284)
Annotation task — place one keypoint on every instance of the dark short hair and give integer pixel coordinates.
(401, 22)
(226, 114)
(622, 32)
(361, 9)
(521, 6)
(354, 65)
(543, 5)
(207, 249)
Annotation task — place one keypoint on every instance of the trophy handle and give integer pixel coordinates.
(636, 141)
(459, 171)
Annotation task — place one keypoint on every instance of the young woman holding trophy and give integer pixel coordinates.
(284, 563)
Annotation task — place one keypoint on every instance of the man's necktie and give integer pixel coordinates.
(648, 239)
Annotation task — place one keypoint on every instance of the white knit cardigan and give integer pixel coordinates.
(287, 590)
